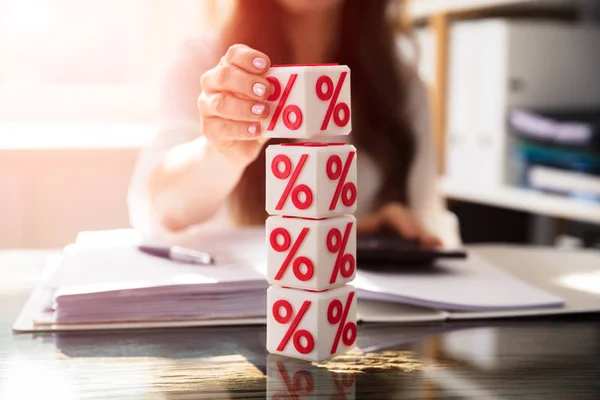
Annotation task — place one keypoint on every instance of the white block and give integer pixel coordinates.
(314, 254)
(311, 180)
(308, 101)
(311, 326)
(298, 379)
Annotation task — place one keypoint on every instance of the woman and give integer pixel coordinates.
(206, 168)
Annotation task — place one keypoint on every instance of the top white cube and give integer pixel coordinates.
(308, 101)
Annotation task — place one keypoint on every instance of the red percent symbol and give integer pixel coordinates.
(301, 384)
(344, 263)
(337, 314)
(281, 107)
(338, 171)
(293, 332)
(327, 92)
(288, 172)
(292, 248)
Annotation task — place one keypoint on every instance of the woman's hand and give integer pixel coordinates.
(395, 217)
(232, 104)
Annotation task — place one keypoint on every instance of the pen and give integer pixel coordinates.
(180, 254)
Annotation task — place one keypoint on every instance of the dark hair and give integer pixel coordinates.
(380, 84)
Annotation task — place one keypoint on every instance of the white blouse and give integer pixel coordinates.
(427, 204)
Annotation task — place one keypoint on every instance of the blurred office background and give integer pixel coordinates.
(514, 84)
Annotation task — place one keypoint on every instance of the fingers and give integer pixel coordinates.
(228, 130)
(398, 218)
(246, 58)
(368, 225)
(232, 79)
(403, 222)
(430, 241)
(232, 103)
(228, 106)
(240, 71)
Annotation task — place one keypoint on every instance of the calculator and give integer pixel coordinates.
(372, 250)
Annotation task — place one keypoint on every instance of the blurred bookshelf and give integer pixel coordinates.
(488, 183)
(419, 9)
(520, 199)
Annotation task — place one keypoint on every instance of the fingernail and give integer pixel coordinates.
(258, 109)
(259, 89)
(259, 63)
(252, 129)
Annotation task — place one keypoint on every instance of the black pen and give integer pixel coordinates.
(179, 254)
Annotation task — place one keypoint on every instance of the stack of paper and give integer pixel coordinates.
(102, 283)
(110, 283)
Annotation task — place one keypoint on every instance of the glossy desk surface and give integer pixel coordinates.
(505, 359)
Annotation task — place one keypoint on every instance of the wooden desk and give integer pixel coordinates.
(526, 358)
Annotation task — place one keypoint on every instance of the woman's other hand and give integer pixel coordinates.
(232, 104)
(395, 217)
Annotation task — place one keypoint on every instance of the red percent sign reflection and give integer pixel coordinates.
(292, 248)
(292, 174)
(344, 263)
(301, 384)
(337, 314)
(342, 382)
(327, 92)
(338, 171)
(281, 107)
(293, 332)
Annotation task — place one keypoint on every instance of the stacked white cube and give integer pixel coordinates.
(311, 194)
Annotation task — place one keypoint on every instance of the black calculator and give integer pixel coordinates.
(372, 250)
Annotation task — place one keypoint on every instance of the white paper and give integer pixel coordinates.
(239, 258)
(380, 311)
(107, 282)
(455, 285)
(111, 282)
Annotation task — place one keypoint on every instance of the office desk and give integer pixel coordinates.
(527, 358)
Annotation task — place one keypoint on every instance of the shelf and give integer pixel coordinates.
(418, 9)
(525, 200)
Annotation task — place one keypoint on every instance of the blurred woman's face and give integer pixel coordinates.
(308, 6)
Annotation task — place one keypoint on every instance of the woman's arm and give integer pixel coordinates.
(208, 137)
(169, 171)
(178, 180)
(190, 183)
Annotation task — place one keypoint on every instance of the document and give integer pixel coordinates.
(102, 283)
